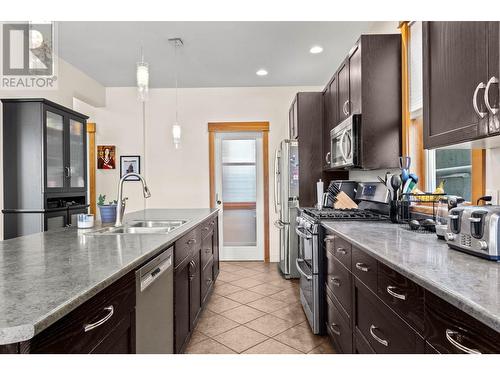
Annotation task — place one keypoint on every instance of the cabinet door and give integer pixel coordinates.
(455, 67)
(195, 289)
(355, 81)
(181, 306)
(215, 248)
(54, 150)
(343, 91)
(295, 134)
(326, 129)
(77, 154)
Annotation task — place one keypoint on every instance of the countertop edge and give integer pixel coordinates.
(25, 332)
(456, 300)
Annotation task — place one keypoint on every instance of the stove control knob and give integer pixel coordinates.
(483, 245)
(450, 236)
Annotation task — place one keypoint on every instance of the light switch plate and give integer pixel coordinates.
(494, 196)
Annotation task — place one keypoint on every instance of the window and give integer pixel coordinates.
(453, 166)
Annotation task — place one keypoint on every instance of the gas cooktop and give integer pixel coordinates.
(344, 214)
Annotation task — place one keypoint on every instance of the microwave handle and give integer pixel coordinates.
(342, 151)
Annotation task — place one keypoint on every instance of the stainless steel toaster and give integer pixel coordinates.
(475, 230)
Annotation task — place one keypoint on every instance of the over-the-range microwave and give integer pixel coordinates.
(345, 143)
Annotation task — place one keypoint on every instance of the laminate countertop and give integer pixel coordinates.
(46, 275)
(470, 283)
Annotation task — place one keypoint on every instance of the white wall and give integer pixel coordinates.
(180, 178)
(72, 83)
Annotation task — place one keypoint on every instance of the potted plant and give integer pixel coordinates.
(107, 211)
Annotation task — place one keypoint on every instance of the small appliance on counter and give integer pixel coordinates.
(445, 204)
(475, 230)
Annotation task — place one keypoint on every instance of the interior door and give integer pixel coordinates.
(239, 195)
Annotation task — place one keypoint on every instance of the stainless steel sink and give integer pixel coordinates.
(141, 227)
(157, 223)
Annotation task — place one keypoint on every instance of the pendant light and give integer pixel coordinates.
(176, 128)
(142, 75)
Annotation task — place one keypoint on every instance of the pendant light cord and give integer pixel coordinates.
(176, 87)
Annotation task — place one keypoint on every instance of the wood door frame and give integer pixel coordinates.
(226, 127)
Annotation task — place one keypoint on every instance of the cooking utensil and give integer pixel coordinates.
(404, 164)
(395, 184)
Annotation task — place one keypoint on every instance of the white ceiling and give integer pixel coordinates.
(215, 54)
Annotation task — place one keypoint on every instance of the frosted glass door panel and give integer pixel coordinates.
(238, 183)
(238, 151)
(76, 154)
(55, 150)
(240, 227)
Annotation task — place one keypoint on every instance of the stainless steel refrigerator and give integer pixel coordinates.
(286, 202)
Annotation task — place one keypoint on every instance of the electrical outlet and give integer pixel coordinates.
(494, 196)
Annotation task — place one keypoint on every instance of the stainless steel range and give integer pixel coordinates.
(373, 201)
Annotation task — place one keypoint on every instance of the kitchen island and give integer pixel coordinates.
(434, 299)
(48, 275)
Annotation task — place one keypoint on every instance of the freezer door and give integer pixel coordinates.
(293, 170)
(284, 259)
(289, 178)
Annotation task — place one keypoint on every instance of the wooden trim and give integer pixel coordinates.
(263, 127)
(238, 126)
(91, 128)
(405, 95)
(265, 159)
(211, 161)
(478, 177)
(239, 205)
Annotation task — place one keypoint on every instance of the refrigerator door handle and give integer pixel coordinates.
(278, 224)
(276, 181)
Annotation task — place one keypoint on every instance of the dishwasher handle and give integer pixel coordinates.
(151, 276)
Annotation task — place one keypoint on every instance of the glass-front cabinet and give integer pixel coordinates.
(65, 151)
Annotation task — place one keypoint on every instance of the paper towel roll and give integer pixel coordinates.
(319, 194)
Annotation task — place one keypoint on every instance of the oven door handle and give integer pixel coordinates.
(297, 263)
(301, 233)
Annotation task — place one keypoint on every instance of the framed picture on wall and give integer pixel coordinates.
(106, 157)
(130, 164)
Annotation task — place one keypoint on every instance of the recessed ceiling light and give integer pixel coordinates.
(261, 72)
(316, 49)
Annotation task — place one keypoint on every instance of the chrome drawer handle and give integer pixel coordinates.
(341, 251)
(390, 289)
(208, 251)
(206, 228)
(329, 239)
(378, 339)
(456, 344)
(335, 281)
(334, 328)
(362, 267)
(91, 326)
(191, 241)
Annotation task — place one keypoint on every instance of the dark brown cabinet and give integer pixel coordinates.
(103, 324)
(196, 268)
(371, 308)
(368, 82)
(460, 62)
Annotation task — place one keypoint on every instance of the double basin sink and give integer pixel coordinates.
(141, 227)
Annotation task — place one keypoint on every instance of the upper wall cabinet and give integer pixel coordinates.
(460, 75)
(368, 82)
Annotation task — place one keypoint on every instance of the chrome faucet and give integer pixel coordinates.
(120, 202)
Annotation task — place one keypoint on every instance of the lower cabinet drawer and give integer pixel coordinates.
(364, 267)
(338, 328)
(361, 345)
(206, 280)
(402, 295)
(86, 328)
(450, 330)
(186, 245)
(339, 282)
(383, 329)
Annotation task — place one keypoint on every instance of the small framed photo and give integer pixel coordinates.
(130, 164)
(106, 157)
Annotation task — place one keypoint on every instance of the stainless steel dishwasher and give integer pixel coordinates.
(155, 306)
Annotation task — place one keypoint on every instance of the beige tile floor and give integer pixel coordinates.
(254, 310)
